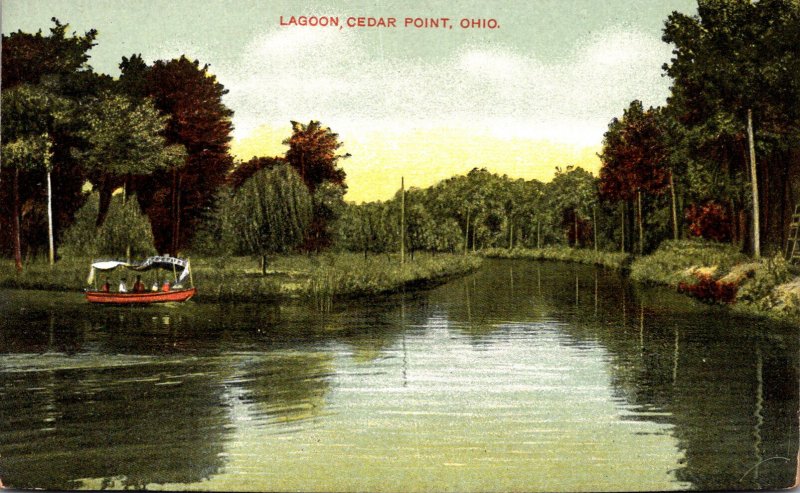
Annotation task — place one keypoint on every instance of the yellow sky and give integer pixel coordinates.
(425, 157)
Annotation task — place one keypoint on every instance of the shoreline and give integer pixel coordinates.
(695, 268)
(318, 278)
(763, 288)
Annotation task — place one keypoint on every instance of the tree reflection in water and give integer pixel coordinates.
(120, 397)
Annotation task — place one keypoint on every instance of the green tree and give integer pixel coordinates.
(125, 141)
(736, 58)
(31, 114)
(273, 211)
(125, 231)
(573, 195)
(54, 66)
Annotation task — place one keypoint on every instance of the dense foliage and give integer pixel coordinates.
(162, 132)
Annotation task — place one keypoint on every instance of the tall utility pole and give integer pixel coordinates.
(402, 220)
(754, 177)
(52, 251)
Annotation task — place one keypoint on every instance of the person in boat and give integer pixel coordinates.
(106, 287)
(138, 286)
(123, 286)
(154, 287)
(165, 286)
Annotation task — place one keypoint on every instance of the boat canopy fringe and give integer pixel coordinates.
(158, 262)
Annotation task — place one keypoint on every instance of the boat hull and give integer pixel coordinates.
(178, 295)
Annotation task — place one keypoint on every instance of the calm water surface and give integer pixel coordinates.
(524, 376)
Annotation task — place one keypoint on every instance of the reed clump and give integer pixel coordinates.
(614, 260)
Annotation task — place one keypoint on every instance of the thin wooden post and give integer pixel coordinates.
(402, 220)
(15, 227)
(594, 226)
(52, 252)
(754, 180)
(538, 234)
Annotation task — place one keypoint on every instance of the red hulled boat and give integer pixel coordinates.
(176, 295)
(169, 292)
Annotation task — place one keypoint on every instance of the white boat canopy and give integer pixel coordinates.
(157, 262)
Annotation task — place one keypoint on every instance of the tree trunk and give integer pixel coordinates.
(575, 215)
(263, 264)
(622, 223)
(466, 234)
(511, 236)
(734, 222)
(594, 226)
(105, 191)
(474, 239)
(754, 181)
(674, 206)
(52, 252)
(538, 234)
(639, 220)
(15, 223)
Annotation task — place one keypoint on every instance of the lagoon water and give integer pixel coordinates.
(523, 376)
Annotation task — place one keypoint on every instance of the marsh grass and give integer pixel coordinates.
(614, 260)
(762, 287)
(320, 277)
(669, 263)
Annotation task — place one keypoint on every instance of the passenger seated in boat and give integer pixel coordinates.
(123, 287)
(154, 287)
(165, 286)
(106, 287)
(138, 286)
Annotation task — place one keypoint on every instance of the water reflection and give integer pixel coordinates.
(525, 366)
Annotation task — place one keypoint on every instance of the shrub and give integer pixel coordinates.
(669, 264)
(768, 274)
(709, 290)
(124, 228)
(710, 221)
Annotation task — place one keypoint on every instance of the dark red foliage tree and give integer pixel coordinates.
(312, 152)
(178, 199)
(634, 155)
(634, 160)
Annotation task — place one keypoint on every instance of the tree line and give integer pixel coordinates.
(719, 160)
(158, 135)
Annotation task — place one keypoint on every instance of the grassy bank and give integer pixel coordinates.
(319, 277)
(614, 260)
(763, 287)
